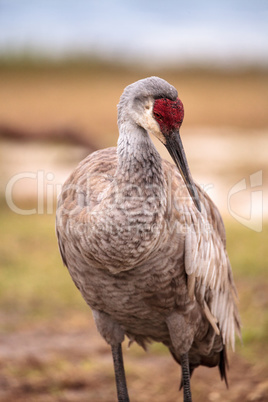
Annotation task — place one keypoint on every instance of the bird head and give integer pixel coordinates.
(153, 105)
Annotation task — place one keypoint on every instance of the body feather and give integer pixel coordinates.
(146, 255)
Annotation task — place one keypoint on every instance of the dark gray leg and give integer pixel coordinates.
(120, 378)
(187, 396)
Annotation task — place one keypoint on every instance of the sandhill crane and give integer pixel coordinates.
(145, 245)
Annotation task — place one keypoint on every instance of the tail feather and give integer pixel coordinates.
(224, 365)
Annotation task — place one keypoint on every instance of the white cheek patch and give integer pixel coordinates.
(150, 124)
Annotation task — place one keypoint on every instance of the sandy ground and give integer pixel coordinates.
(222, 160)
(49, 363)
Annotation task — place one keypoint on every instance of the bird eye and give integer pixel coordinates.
(158, 115)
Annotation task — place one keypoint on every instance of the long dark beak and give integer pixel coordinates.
(175, 148)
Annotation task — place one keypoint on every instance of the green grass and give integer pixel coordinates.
(248, 250)
(248, 254)
(35, 286)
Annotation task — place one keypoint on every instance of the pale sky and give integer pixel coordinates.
(183, 31)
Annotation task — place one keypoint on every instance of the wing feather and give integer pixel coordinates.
(206, 259)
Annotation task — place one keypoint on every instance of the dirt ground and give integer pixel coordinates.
(71, 362)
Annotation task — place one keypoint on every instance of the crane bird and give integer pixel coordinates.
(145, 245)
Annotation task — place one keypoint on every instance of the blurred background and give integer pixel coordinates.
(63, 67)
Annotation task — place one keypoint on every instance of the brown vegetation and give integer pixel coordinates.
(85, 99)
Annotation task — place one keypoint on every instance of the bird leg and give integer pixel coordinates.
(120, 378)
(187, 396)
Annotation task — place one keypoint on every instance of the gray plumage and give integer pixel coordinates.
(147, 262)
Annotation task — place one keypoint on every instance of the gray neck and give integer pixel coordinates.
(134, 206)
(138, 160)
